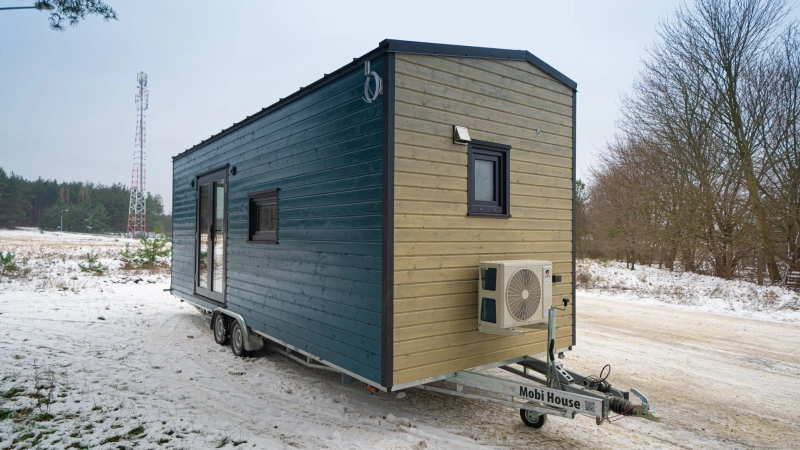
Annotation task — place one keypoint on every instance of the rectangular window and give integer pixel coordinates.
(263, 214)
(488, 187)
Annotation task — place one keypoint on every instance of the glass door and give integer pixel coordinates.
(210, 237)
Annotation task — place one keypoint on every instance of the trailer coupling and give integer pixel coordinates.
(536, 400)
(644, 410)
(558, 377)
(614, 400)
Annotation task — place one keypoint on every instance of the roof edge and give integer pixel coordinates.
(325, 80)
(393, 46)
(424, 48)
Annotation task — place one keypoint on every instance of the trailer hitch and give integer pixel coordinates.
(643, 411)
(560, 378)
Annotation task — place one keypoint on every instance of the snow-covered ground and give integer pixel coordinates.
(113, 361)
(650, 285)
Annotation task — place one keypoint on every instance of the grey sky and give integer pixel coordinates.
(67, 99)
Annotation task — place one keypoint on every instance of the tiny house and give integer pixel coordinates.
(350, 220)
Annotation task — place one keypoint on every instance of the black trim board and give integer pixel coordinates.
(391, 46)
(574, 215)
(387, 267)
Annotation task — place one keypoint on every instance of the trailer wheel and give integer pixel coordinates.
(532, 418)
(221, 332)
(237, 340)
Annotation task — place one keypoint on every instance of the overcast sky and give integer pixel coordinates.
(67, 99)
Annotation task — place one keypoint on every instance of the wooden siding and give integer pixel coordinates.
(319, 288)
(437, 246)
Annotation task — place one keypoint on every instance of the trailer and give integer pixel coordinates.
(407, 220)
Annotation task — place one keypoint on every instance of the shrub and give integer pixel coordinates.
(7, 264)
(127, 254)
(93, 265)
(152, 249)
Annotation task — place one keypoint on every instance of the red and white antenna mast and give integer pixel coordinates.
(137, 214)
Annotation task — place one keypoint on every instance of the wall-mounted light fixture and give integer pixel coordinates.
(232, 170)
(191, 183)
(461, 135)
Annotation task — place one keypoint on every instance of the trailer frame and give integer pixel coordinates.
(561, 393)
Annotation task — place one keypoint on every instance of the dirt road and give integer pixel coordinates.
(718, 381)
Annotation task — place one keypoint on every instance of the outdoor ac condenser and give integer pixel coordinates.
(513, 294)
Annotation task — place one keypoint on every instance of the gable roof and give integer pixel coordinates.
(424, 48)
(395, 46)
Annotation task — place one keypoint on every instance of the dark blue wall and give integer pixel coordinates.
(319, 288)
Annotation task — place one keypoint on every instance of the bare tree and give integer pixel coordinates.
(706, 157)
(782, 182)
(727, 44)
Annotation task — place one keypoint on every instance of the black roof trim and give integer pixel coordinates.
(424, 48)
(327, 79)
(394, 46)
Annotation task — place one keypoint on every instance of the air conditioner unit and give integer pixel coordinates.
(514, 295)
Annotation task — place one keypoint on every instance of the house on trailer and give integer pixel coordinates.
(348, 221)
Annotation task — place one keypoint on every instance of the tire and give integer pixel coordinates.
(221, 329)
(237, 340)
(533, 418)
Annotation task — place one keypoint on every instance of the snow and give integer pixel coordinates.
(688, 291)
(113, 361)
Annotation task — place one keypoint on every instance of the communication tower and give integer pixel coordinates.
(137, 214)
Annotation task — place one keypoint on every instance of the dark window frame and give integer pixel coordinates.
(500, 155)
(208, 293)
(255, 199)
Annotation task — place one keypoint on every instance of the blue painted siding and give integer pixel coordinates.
(319, 288)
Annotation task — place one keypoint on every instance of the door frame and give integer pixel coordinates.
(209, 178)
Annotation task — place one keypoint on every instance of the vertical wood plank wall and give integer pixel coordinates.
(437, 246)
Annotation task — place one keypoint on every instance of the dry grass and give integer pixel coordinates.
(586, 278)
(50, 261)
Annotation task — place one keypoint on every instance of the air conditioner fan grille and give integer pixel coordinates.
(523, 294)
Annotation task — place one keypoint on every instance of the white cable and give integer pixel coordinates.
(370, 95)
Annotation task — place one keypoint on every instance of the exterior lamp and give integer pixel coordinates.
(461, 135)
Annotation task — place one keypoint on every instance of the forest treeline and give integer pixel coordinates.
(87, 207)
(704, 170)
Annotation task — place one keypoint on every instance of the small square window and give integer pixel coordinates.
(263, 217)
(488, 188)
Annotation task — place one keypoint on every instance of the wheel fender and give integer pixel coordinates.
(251, 343)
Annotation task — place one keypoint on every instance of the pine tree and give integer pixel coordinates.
(99, 219)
